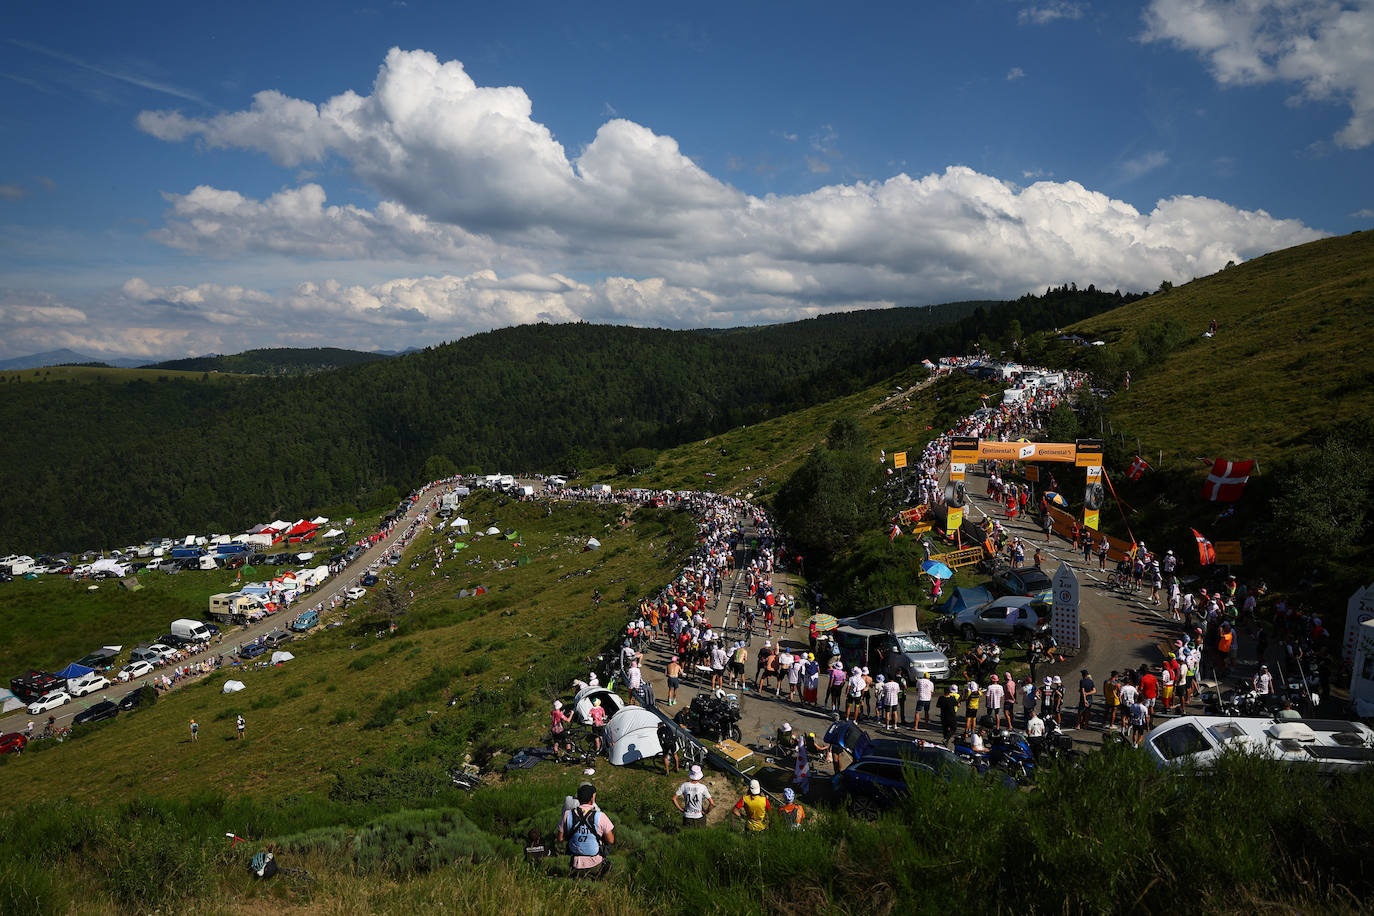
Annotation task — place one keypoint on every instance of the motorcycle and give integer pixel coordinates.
(1054, 747)
(1007, 750)
(713, 716)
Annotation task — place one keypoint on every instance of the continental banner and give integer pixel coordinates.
(899, 460)
(1228, 553)
(1032, 473)
(1088, 453)
(1090, 518)
(964, 450)
(956, 470)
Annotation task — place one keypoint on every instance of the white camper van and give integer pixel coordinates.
(189, 630)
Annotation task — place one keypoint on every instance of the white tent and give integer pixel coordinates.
(9, 701)
(319, 521)
(305, 557)
(460, 523)
(232, 686)
(110, 566)
(279, 657)
(332, 533)
(633, 735)
(593, 544)
(208, 563)
(493, 530)
(259, 539)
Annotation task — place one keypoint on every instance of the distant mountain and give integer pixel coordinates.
(278, 361)
(64, 357)
(229, 451)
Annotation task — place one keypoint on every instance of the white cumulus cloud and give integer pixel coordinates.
(1325, 47)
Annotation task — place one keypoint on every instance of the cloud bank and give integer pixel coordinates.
(1325, 47)
(494, 217)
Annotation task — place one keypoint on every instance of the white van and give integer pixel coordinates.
(189, 630)
(86, 683)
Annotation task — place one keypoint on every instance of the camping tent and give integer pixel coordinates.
(582, 704)
(633, 735)
(593, 544)
(232, 686)
(493, 530)
(8, 701)
(73, 670)
(319, 521)
(961, 598)
(281, 656)
(472, 592)
(332, 533)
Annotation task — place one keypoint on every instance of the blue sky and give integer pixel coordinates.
(180, 179)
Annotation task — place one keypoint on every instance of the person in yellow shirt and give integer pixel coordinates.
(754, 808)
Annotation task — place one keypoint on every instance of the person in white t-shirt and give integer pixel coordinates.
(693, 799)
(925, 692)
(1035, 728)
(1264, 681)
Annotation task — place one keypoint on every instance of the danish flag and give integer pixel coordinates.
(1227, 480)
(1138, 467)
(1206, 553)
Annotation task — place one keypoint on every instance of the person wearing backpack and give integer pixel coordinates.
(587, 831)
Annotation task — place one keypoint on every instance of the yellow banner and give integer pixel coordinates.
(1088, 453)
(899, 460)
(1032, 473)
(1228, 552)
(1090, 517)
(953, 519)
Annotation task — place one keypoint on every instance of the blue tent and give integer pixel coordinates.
(74, 670)
(960, 598)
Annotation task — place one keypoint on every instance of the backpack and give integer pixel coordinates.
(582, 839)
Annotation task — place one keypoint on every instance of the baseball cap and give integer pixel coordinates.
(694, 772)
(754, 787)
(557, 704)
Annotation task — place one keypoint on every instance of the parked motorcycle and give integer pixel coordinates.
(1005, 749)
(712, 716)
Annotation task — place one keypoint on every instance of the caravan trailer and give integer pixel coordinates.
(1330, 746)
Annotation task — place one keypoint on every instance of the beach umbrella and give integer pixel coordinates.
(1056, 500)
(936, 570)
(823, 622)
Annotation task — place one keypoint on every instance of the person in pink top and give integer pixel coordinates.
(558, 728)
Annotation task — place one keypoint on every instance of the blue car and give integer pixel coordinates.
(253, 651)
(883, 769)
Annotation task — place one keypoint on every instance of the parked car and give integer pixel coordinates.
(883, 769)
(164, 651)
(105, 709)
(145, 654)
(87, 684)
(354, 593)
(49, 701)
(1028, 580)
(254, 650)
(143, 696)
(214, 630)
(136, 670)
(368, 580)
(96, 662)
(171, 639)
(276, 638)
(1015, 616)
(305, 620)
(13, 743)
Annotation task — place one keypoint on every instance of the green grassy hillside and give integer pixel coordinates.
(1291, 354)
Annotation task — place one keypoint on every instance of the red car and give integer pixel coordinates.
(12, 743)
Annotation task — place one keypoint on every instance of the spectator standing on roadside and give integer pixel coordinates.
(1111, 700)
(948, 705)
(693, 799)
(925, 693)
(195, 730)
(996, 695)
(240, 725)
(754, 808)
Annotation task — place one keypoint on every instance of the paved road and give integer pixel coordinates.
(234, 636)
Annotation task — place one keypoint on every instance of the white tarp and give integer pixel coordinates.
(459, 521)
(11, 703)
(279, 657)
(232, 686)
(493, 530)
(260, 540)
(110, 566)
(633, 735)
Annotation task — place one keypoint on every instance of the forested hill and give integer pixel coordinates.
(105, 464)
(274, 361)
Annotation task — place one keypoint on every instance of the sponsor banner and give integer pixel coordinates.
(1094, 473)
(1006, 451)
(953, 519)
(956, 470)
(1054, 451)
(964, 449)
(1228, 553)
(1090, 518)
(1064, 611)
(1089, 453)
(899, 460)
(1117, 549)
(1032, 473)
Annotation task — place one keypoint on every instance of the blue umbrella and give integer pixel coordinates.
(937, 570)
(1056, 500)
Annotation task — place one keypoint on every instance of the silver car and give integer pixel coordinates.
(1013, 615)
